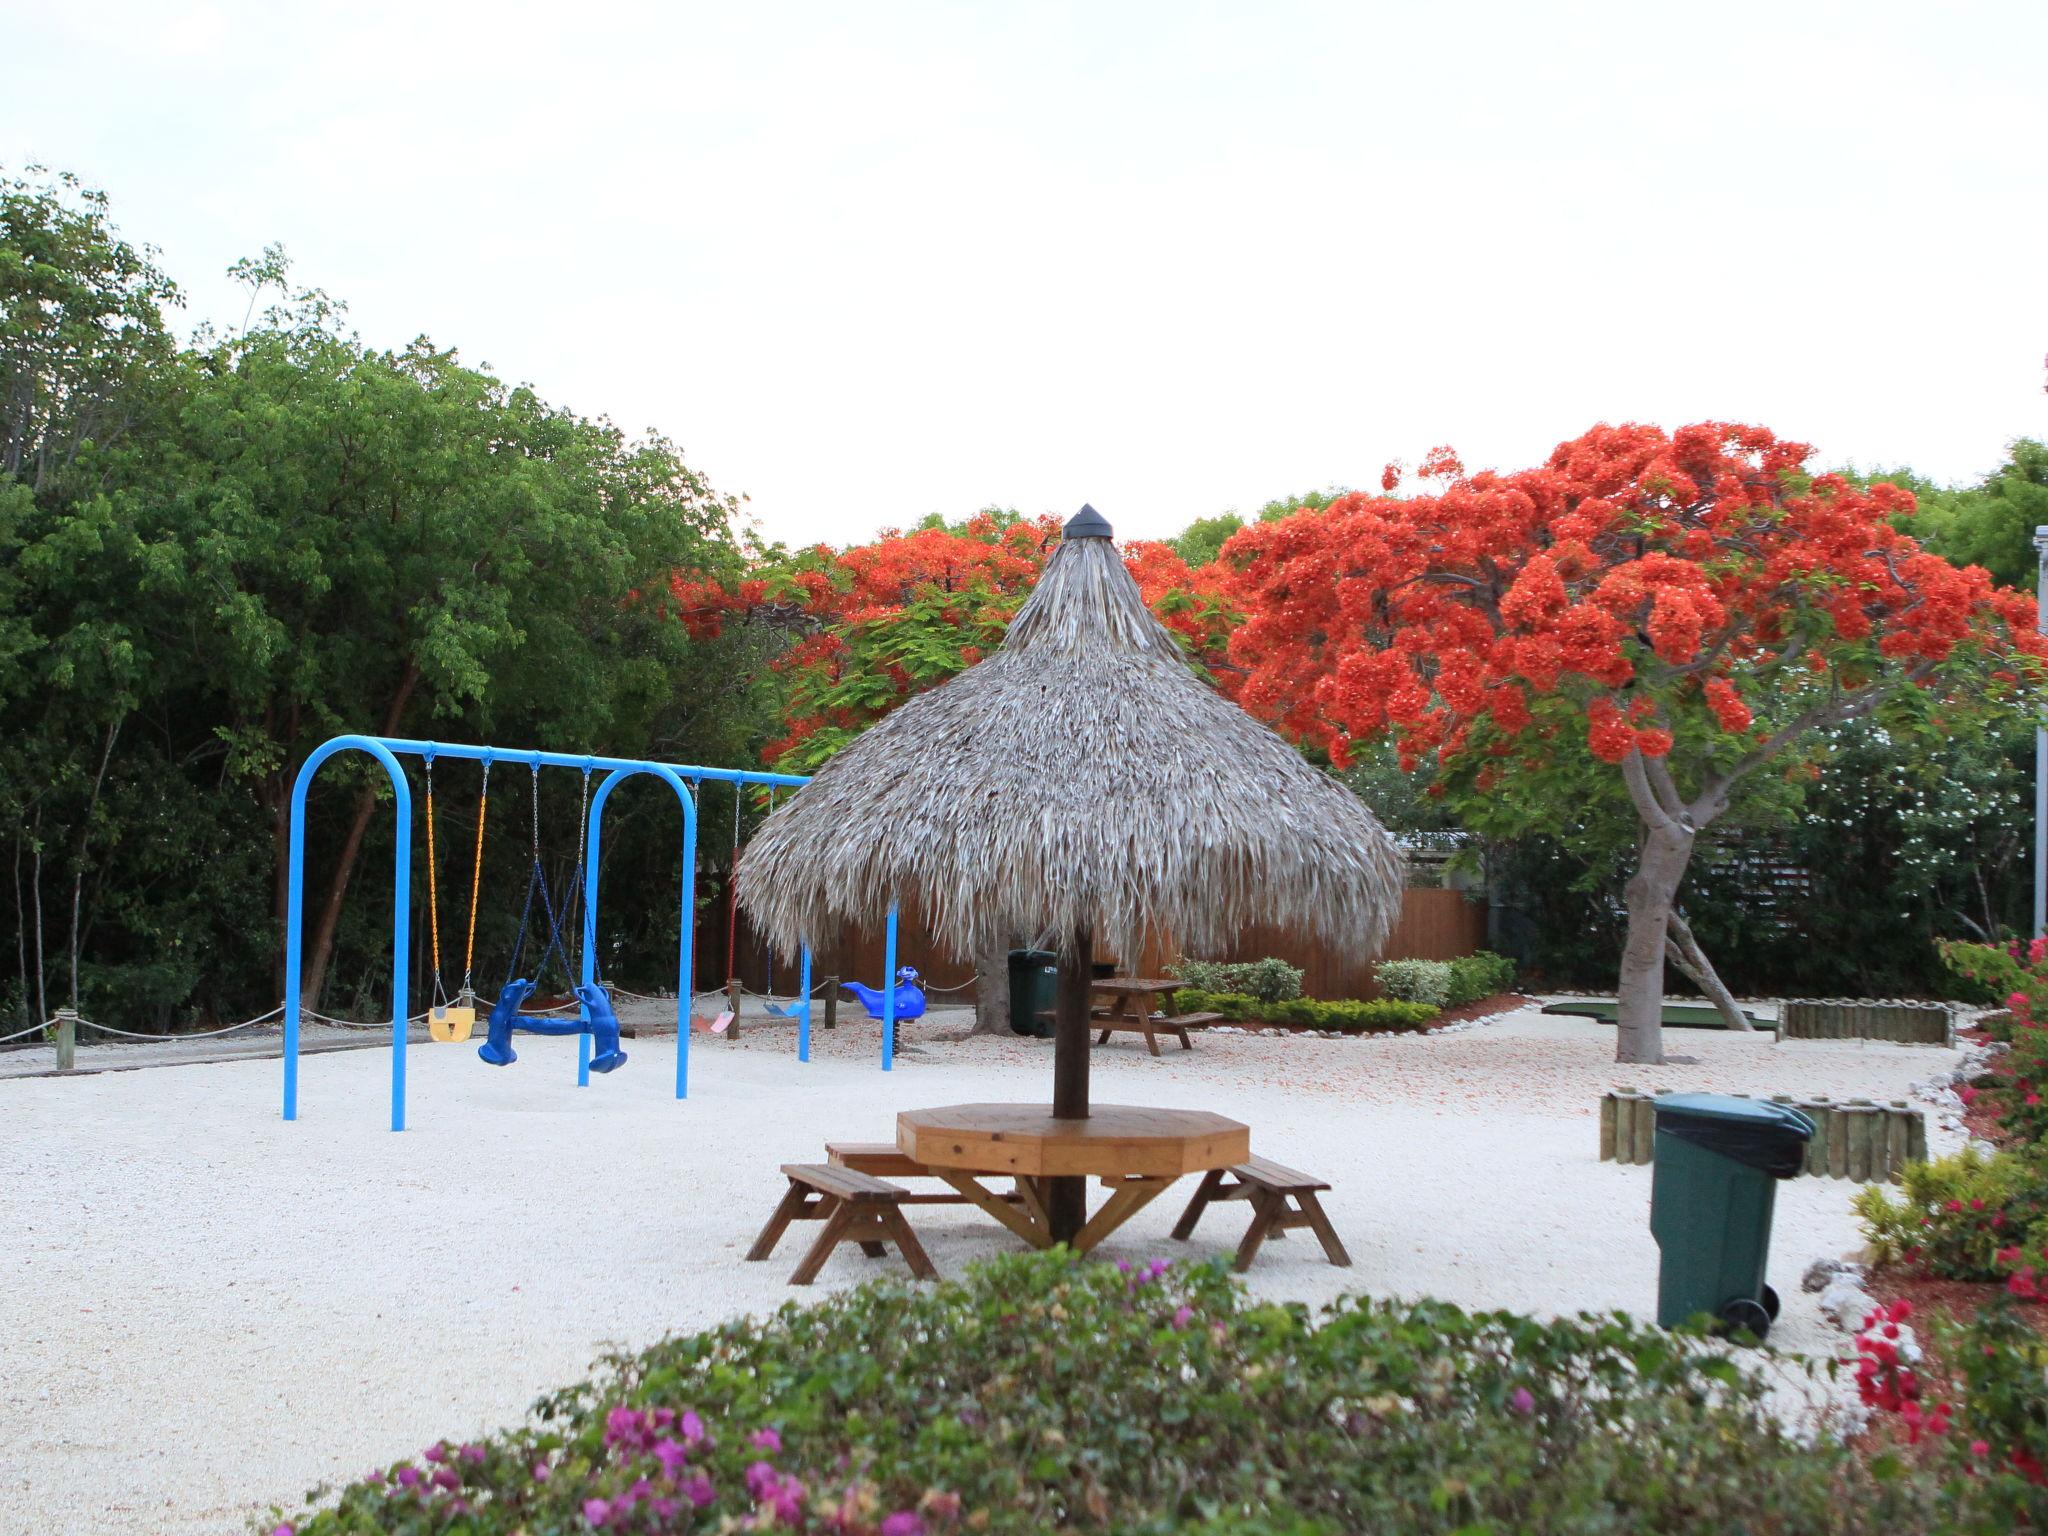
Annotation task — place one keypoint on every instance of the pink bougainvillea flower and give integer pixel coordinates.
(765, 1440)
(698, 1490)
(1181, 1314)
(542, 1472)
(597, 1512)
(904, 1522)
(1523, 1402)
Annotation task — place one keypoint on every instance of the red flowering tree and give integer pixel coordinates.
(1694, 607)
(873, 624)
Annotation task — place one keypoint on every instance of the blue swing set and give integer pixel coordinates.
(596, 1024)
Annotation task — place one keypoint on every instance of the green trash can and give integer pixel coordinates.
(1034, 979)
(1718, 1163)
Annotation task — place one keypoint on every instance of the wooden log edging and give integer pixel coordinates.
(1859, 1140)
(1866, 1018)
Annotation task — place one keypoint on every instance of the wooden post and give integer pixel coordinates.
(1645, 1108)
(1838, 1143)
(1067, 1198)
(67, 1039)
(1818, 1112)
(1607, 1124)
(1897, 1139)
(832, 1002)
(732, 1001)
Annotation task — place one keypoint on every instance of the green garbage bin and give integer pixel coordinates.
(1718, 1163)
(1034, 978)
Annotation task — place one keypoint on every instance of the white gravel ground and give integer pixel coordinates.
(204, 1310)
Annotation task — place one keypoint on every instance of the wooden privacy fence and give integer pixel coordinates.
(1434, 925)
(1857, 1139)
(1864, 1018)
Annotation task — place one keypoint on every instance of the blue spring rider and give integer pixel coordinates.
(601, 1024)
(909, 996)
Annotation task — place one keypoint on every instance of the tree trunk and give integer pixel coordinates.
(99, 780)
(313, 979)
(1651, 892)
(992, 989)
(35, 891)
(1067, 1198)
(1684, 951)
(21, 934)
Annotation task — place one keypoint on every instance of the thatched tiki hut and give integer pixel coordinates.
(1082, 785)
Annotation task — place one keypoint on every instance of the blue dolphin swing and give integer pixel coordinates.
(594, 1016)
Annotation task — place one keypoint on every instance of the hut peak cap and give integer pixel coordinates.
(1087, 524)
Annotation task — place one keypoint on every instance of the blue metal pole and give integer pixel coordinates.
(803, 1020)
(889, 995)
(593, 844)
(401, 912)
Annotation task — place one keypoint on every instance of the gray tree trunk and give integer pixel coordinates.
(1651, 891)
(992, 989)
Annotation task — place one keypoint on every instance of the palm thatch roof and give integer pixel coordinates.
(1081, 777)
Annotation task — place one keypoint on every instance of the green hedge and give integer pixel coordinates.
(1042, 1393)
(1446, 983)
(1305, 1011)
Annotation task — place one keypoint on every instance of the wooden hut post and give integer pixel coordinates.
(1067, 1198)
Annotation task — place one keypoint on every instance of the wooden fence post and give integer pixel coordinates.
(67, 1039)
(831, 1002)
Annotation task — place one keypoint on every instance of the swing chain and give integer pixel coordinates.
(433, 883)
(476, 874)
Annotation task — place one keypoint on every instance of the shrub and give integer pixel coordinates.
(2016, 1085)
(1415, 981)
(1043, 1393)
(1269, 980)
(1966, 1217)
(1308, 1013)
(1478, 975)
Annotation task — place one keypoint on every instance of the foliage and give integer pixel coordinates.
(2018, 1083)
(1269, 980)
(1347, 1014)
(1415, 981)
(1991, 1442)
(1687, 608)
(1964, 1217)
(293, 534)
(1042, 1393)
(1991, 523)
(1446, 983)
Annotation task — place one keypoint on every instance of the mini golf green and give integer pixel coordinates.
(1676, 1015)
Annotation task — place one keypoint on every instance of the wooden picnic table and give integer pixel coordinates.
(1136, 1152)
(1133, 995)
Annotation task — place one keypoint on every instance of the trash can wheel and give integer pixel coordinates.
(1771, 1302)
(1742, 1315)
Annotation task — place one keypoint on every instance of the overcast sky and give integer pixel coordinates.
(870, 261)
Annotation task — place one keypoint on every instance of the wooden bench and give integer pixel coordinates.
(886, 1160)
(1152, 1028)
(855, 1207)
(1281, 1199)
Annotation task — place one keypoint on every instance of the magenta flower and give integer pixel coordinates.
(698, 1490)
(473, 1454)
(597, 1512)
(765, 1440)
(903, 1523)
(542, 1471)
(672, 1454)
(435, 1452)
(448, 1478)
(692, 1427)
(408, 1476)
(761, 1480)
(1181, 1314)
(1523, 1401)
(282, 1530)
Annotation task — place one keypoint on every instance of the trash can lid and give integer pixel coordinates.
(1754, 1132)
(1728, 1109)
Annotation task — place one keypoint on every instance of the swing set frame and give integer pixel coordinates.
(683, 778)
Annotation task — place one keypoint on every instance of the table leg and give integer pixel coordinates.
(1018, 1221)
(1131, 1197)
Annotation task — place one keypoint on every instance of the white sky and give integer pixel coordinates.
(869, 261)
